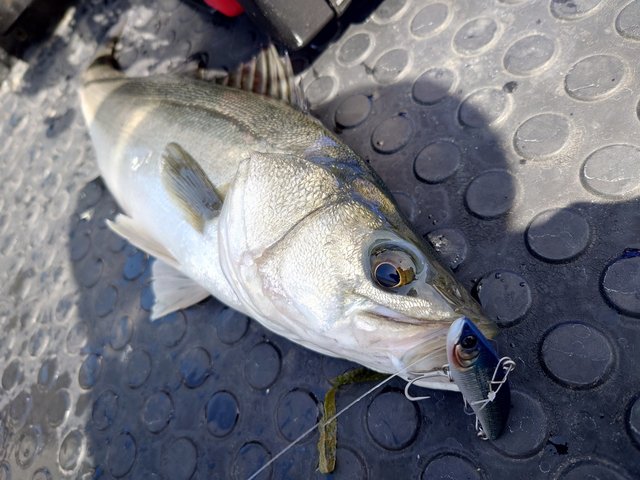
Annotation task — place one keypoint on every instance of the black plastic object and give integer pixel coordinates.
(293, 22)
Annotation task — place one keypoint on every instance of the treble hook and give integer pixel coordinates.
(443, 372)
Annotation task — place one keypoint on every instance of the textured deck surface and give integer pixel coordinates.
(509, 132)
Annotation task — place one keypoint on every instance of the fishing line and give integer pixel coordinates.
(326, 422)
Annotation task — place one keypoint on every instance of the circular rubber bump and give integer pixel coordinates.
(51, 184)
(262, 366)
(41, 474)
(528, 54)
(106, 301)
(38, 342)
(541, 135)
(90, 195)
(105, 410)
(526, 430)
(71, 450)
(79, 245)
(135, 265)
(397, 431)
(627, 23)
(121, 332)
(121, 454)
(437, 161)
(450, 245)
(391, 65)
(58, 408)
(576, 355)
(89, 272)
(320, 90)
(58, 205)
(354, 49)
(249, 459)
(170, 329)
(430, 20)
(389, 11)
(591, 468)
(179, 459)
(433, 86)
(505, 297)
(633, 421)
(138, 368)
(353, 111)
(558, 235)
(47, 372)
(231, 326)
(221, 413)
(574, 9)
(19, 409)
(406, 204)
(116, 243)
(594, 77)
(484, 107)
(621, 283)
(90, 371)
(194, 367)
(64, 309)
(157, 411)
(474, 35)
(297, 412)
(448, 466)
(12, 375)
(613, 171)
(392, 134)
(28, 446)
(491, 194)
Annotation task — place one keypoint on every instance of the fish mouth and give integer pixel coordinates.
(390, 314)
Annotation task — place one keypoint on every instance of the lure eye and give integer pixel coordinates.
(468, 342)
(392, 269)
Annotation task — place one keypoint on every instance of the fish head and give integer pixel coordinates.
(373, 291)
(320, 252)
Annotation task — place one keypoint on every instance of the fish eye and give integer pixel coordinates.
(470, 341)
(392, 269)
(387, 275)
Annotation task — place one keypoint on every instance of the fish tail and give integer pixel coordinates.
(102, 75)
(104, 64)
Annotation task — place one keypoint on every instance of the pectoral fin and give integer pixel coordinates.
(127, 228)
(173, 290)
(189, 186)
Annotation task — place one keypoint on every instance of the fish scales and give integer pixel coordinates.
(249, 199)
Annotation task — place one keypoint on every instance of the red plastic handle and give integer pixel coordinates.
(230, 8)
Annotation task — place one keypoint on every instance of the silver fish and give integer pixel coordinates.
(249, 199)
(481, 376)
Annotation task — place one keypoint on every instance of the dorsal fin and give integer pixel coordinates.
(269, 74)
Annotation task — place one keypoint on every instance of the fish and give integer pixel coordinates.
(481, 376)
(238, 192)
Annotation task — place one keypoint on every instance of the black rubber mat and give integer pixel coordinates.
(508, 132)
